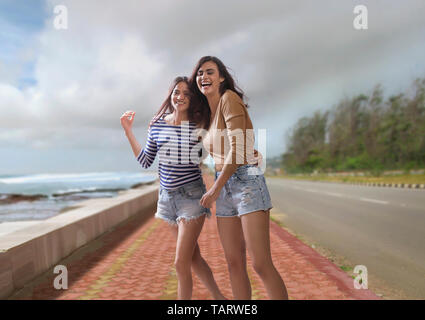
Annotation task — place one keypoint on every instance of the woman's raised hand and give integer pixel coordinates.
(127, 120)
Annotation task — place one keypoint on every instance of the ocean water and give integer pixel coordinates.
(58, 191)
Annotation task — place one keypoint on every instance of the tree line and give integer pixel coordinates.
(366, 133)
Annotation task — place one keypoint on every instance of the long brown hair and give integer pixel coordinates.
(228, 83)
(196, 110)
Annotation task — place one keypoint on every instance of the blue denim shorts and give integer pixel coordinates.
(245, 191)
(182, 202)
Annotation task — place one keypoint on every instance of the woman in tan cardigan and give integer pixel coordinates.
(240, 192)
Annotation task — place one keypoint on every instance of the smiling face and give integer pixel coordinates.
(180, 97)
(208, 78)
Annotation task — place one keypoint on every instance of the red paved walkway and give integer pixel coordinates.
(135, 261)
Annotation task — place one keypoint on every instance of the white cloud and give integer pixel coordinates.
(289, 57)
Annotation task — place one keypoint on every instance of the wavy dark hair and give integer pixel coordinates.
(228, 83)
(196, 111)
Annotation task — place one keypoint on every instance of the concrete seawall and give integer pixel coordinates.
(28, 252)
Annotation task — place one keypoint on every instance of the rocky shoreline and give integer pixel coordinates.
(15, 198)
(12, 198)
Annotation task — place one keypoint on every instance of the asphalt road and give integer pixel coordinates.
(380, 228)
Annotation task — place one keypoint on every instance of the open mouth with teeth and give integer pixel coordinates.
(206, 84)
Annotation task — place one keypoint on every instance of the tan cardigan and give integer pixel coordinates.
(230, 138)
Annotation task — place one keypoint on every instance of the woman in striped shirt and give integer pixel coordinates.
(173, 137)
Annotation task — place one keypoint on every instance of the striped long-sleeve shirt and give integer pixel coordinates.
(179, 153)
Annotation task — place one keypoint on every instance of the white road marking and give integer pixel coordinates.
(373, 200)
(340, 195)
(335, 194)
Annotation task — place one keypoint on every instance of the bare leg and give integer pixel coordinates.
(231, 236)
(187, 237)
(203, 271)
(256, 230)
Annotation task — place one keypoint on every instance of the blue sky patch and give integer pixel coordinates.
(20, 21)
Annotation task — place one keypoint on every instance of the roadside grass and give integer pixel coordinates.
(346, 268)
(404, 178)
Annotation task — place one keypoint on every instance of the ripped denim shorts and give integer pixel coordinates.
(245, 192)
(181, 203)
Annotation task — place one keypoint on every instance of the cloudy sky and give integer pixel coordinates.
(62, 91)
